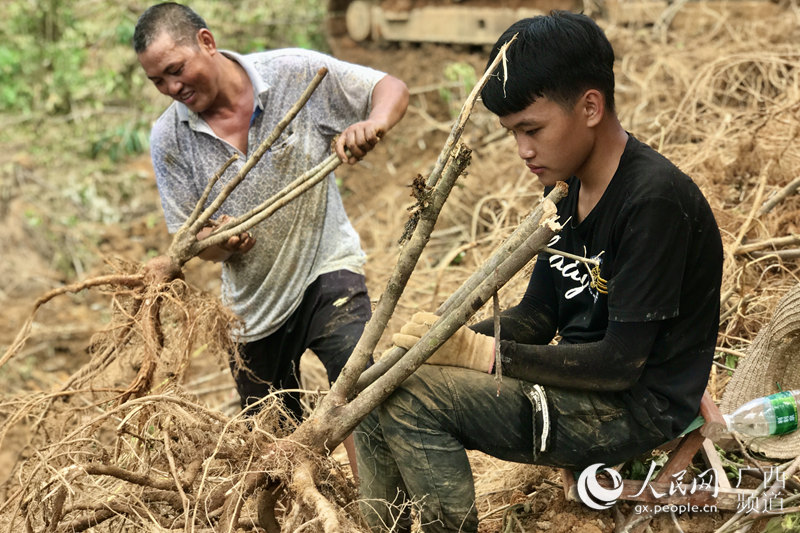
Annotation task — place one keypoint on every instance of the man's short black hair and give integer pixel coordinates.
(179, 21)
(559, 56)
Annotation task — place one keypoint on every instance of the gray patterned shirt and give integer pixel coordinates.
(310, 236)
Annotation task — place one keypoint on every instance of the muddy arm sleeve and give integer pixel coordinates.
(612, 364)
(533, 320)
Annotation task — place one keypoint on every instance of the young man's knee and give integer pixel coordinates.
(367, 431)
(404, 404)
(426, 394)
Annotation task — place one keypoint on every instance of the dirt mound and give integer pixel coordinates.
(719, 96)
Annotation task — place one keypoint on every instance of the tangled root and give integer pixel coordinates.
(123, 446)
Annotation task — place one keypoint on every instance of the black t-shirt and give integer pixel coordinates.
(660, 257)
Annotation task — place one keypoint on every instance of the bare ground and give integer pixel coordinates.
(495, 194)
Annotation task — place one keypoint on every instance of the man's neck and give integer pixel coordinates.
(234, 91)
(230, 115)
(601, 165)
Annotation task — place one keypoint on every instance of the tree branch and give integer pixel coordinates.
(331, 422)
(767, 243)
(382, 387)
(509, 246)
(779, 196)
(345, 385)
(134, 280)
(183, 243)
(447, 161)
(244, 222)
(198, 208)
(785, 255)
(463, 116)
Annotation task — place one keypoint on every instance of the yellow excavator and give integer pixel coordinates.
(480, 22)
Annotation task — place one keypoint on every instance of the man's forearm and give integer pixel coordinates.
(389, 101)
(612, 364)
(525, 326)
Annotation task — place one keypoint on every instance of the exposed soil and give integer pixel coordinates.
(496, 193)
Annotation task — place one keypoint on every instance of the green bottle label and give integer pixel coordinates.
(785, 412)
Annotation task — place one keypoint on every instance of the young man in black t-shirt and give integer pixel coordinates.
(638, 317)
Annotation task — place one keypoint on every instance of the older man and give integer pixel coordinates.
(297, 279)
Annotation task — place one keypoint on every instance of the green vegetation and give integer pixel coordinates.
(73, 59)
(781, 524)
(462, 78)
(75, 110)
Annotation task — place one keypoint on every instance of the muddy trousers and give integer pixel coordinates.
(329, 321)
(412, 448)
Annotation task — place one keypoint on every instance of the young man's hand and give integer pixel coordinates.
(464, 348)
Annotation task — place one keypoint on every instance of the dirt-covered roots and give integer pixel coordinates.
(166, 460)
(154, 332)
(123, 418)
(153, 335)
(122, 445)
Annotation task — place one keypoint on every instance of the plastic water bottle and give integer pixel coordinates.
(775, 414)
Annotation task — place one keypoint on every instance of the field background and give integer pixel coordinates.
(715, 89)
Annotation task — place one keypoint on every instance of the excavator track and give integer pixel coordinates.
(467, 22)
(480, 22)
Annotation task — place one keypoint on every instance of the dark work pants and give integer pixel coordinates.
(413, 446)
(329, 321)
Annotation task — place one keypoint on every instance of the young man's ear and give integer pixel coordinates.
(594, 107)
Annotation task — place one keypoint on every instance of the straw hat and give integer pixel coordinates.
(772, 364)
